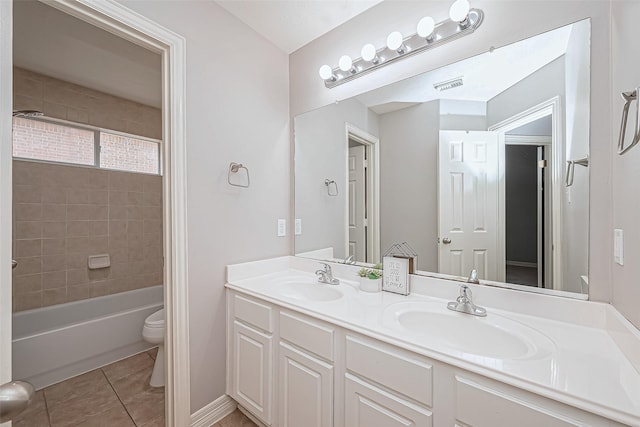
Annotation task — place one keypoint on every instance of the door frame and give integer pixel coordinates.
(372, 149)
(123, 22)
(550, 107)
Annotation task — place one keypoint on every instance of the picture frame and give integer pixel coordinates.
(395, 276)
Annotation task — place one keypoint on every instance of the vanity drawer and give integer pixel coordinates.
(481, 402)
(253, 312)
(308, 334)
(396, 369)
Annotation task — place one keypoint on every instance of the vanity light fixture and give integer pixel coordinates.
(459, 12)
(326, 73)
(425, 28)
(370, 54)
(395, 41)
(429, 34)
(346, 64)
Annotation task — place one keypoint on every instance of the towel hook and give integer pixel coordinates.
(235, 168)
(629, 97)
(329, 183)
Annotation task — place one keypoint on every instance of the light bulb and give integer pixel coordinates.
(345, 63)
(368, 52)
(394, 41)
(325, 72)
(426, 26)
(459, 10)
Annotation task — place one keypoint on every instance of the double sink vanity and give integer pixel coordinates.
(303, 353)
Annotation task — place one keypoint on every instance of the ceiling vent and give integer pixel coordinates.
(449, 84)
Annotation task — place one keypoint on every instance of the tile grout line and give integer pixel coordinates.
(118, 396)
(46, 406)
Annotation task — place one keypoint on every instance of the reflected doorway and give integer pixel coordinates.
(526, 213)
(363, 202)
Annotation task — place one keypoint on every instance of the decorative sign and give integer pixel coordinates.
(395, 276)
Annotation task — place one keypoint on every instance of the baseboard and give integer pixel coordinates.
(251, 417)
(213, 412)
(522, 264)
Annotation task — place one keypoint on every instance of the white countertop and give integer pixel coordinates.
(583, 366)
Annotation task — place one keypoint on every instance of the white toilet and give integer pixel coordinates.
(153, 332)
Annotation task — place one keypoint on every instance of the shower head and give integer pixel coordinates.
(28, 113)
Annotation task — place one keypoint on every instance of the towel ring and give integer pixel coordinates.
(331, 184)
(235, 168)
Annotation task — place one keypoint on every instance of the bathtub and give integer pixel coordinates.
(55, 343)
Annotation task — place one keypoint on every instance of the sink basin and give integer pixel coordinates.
(308, 291)
(493, 337)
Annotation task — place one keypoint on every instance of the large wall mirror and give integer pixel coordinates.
(480, 164)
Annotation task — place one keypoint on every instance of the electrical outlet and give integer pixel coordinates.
(282, 227)
(618, 246)
(298, 226)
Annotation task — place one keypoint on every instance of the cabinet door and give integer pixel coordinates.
(369, 406)
(252, 371)
(306, 390)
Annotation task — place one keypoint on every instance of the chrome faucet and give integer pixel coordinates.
(473, 277)
(326, 275)
(349, 260)
(464, 303)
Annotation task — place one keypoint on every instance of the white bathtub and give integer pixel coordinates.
(55, 343)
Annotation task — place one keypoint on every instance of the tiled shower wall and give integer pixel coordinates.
(68, 101)
(63, 214)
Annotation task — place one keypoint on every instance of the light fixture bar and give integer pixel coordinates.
(443, 33)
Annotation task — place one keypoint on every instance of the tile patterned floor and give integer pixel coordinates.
(522, 275)
(235, 419)
(117, 395)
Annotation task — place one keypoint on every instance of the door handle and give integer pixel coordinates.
(14, 264)
(15, 396)
(446, 240)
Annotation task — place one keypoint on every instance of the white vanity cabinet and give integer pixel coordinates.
(482, 402)
(250, 327)
(386, 386)
(306, 372)
(293, 370)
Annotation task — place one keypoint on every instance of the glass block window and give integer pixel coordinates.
(53, 141)
(40, 140)
(128, 153)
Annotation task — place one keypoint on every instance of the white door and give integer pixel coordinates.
(306, 390)
(357, 203)
(468, 204)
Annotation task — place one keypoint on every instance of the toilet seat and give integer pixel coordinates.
(155, 320)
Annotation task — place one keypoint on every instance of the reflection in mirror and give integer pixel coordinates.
(465, 163)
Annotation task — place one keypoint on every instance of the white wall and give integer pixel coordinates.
(576, 198)
(408, 181)
(626, 175)
(505, 22)
(542, 85)
(321, 153)
(237, 110)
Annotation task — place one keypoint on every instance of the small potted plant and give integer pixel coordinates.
(371, 279)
